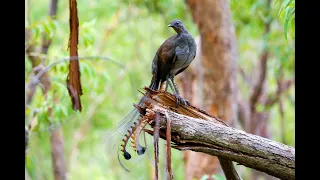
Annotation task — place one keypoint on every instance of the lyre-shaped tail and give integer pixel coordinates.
(135, 130)
(136, 136)
(125, 140)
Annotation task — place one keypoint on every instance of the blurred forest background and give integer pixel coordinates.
(120, 38)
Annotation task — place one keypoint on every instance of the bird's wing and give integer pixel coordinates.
(181, 70)
(162, 63)
(163, 54)
(182, 49)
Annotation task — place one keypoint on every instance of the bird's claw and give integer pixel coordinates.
(181, 100)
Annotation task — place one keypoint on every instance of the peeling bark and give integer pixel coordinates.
(196, 130)
(73, 80)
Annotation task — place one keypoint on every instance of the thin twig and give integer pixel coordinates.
(168, 139)
(156, 145)
(257, 88)
(285, 85)
(244, 76)
(52, 14)
(36, 78)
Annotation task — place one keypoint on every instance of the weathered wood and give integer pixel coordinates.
(218, 139)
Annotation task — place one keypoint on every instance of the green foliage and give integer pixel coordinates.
(87, 32)
(45, 27)
(252, 39)
(287, 14)
(215, 177)
(109, 90)
(204, 177)
(218, 177)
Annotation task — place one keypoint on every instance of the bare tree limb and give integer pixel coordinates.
(156, 145)
(36, 79)
(52, 13)
(37, 67)
(244, 111)
(209, 135)
(257, 88)
(36, 61)
(168, 150)
(230, 173)
(283, 86)
(26, 135)
(58, 160)
(244, 76)
(282, 123)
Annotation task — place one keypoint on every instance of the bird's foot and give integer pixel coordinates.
(181, 100)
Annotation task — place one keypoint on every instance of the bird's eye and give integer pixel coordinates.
(177, 23)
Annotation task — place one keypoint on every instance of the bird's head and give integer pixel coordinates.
(177, 25)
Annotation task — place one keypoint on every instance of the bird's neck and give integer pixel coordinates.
(182, 31)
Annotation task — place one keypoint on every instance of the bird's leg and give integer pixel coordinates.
(180, 100)
(164, 85)
(167, 82)
(171, 86)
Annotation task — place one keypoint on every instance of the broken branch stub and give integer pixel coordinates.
(196, 130)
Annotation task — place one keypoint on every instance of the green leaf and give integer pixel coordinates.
(51, 24)
(218, 177)
(47, 29)
(88, 24)
(106, 76)
(35, 32)
(284, 5)
(204, 177)
(87, 69)
(288, 12)
(292, 27)
(64, 111)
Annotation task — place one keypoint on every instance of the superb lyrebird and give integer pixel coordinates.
(173, 56)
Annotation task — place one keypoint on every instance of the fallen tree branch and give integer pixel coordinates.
(193, 129)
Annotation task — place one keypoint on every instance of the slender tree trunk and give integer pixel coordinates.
(56, 139)
(218, 71)
(57, 153)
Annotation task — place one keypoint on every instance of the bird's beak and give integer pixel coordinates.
(169, 25)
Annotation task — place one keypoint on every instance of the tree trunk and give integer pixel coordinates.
(57, 153)
(218, 68)
(56, 139)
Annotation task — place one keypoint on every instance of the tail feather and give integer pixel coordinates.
(154, 85)
(134, 133)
